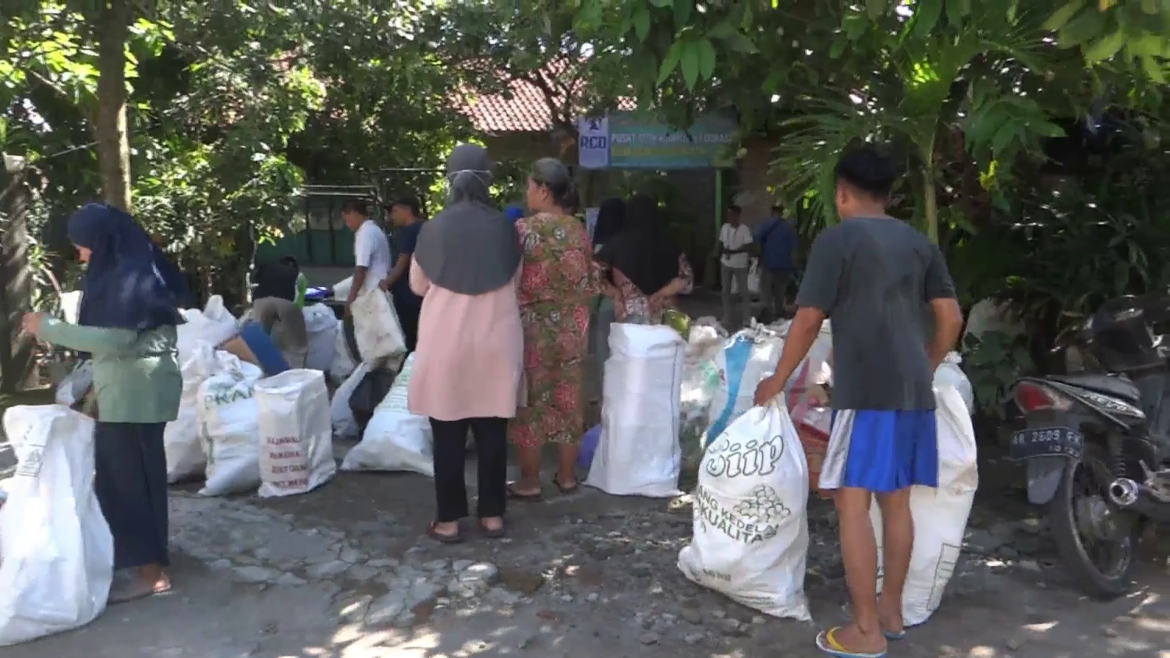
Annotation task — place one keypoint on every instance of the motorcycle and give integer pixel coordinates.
(1097, 443)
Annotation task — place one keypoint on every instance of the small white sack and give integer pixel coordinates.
(296, 439)
(58, 553)
(751, 521)
(76, 384)
(214, 325)
(376, 327)
(753, 279)
(184, 450)
(940, 515)
(395, 439)
(322, 325)
(345, 426)
(228, 428)
(638, 452)
(343, 362)
(949, 374)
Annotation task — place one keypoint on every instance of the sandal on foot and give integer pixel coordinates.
(135, 589)
(493, 533)
(565, 491)
(890, 635)
(827, 643)
(526, 497)
(433, 533)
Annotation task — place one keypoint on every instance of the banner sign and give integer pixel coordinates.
(633, 143)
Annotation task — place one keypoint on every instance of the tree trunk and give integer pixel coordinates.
(15, 282)
(110, 131)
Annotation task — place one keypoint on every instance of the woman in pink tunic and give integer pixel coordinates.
(467, 368)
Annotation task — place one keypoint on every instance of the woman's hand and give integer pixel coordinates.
(32, 323)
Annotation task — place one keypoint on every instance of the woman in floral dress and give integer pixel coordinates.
(646, 266)
(556, 286)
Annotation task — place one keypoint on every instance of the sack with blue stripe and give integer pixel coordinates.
(749, 356)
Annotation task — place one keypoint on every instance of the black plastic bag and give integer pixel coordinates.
(369, 394)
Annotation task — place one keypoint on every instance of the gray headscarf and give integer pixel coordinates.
(470, 248)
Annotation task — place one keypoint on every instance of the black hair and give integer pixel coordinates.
(869, 170)
(734, 208)
(359, 206)
(410, 202)
(554, 175)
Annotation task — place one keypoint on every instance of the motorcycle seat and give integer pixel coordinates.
(1118, 387)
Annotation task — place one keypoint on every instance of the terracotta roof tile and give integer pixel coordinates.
(522, 108)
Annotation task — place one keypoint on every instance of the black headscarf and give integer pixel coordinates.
(642, 250)
(611, 217)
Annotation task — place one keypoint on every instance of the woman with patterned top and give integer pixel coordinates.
(646, 266)
(556, 287)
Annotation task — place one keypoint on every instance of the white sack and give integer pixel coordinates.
(76, 384)
(181, 440)
(345, 426)
(58, 554)
(951, 374)
(341, 288)
(940, 515)
(638, 452)
(376, 327)
(296, 438)
(748, 357)
(703, 375)
(228, 428)
(395, 439)
(214, 324)
(751, 521)
(71, 305)
(343, 362)
(753, 279)
(322, 325)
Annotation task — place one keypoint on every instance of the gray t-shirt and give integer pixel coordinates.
(875, 278)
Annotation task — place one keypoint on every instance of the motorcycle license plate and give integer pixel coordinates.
(1047, 442)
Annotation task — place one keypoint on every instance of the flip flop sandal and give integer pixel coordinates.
(565, 491)
(433, 533)
(828, 644)
(134, 590)
(890, 635)
(525, 497)
(493, 533)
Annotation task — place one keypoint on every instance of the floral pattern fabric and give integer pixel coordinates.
(633, 303)
(556, 285)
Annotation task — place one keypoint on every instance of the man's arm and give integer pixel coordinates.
(363, 253)
(948, 318)
(401, 267)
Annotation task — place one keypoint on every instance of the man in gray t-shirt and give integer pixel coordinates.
(879, 280)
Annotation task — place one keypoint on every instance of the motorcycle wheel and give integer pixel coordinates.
(1096, 540)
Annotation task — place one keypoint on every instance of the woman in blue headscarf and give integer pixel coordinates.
(127, 324)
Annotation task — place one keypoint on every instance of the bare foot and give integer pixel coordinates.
(525, 489)
(852, 639)
(148, 581)
(492, 523)
(450, 529)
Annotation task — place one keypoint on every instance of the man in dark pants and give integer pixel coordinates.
(778, 241)
(406, 215)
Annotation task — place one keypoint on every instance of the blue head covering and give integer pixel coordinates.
(125, 286)
(514, 213)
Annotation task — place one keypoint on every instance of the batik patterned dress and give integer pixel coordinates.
(556, 285)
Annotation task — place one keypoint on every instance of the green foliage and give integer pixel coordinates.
(993, 362)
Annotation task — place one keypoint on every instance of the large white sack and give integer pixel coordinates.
(703, 375)
(228, 428)
(751, 521)
(296, 438)
(638, 453)
(395, 439)
(181, 440)
(345, 426)
(214, 324)
(76, 384)
(343, 363)
(951, 374)
(748, 357)
(375, 326)
(940, 515)
(322, 326)
(58, 554)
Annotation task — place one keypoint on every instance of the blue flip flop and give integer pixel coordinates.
(893, 636)
(828, 644)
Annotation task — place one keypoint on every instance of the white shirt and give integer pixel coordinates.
(735, 237)
(371, 250)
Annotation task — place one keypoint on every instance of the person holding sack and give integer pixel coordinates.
(371, 253)
(467, 368)
(127, 323)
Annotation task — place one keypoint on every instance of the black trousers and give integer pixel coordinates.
(130, 480)
(408, 313)
(491, 443)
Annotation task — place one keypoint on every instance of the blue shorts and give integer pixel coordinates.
(881, 451)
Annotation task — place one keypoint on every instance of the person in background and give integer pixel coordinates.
(734, 241)
(611, 216)
(555, 290)
(467, 370)
(514, 213)
(406, 215)
(127, 323)
(371, 252)
(778, 242)
(879, 280)
(646, 266)
(284, 322)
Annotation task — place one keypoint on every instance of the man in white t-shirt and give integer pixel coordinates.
(735, 239)
(371, 250)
